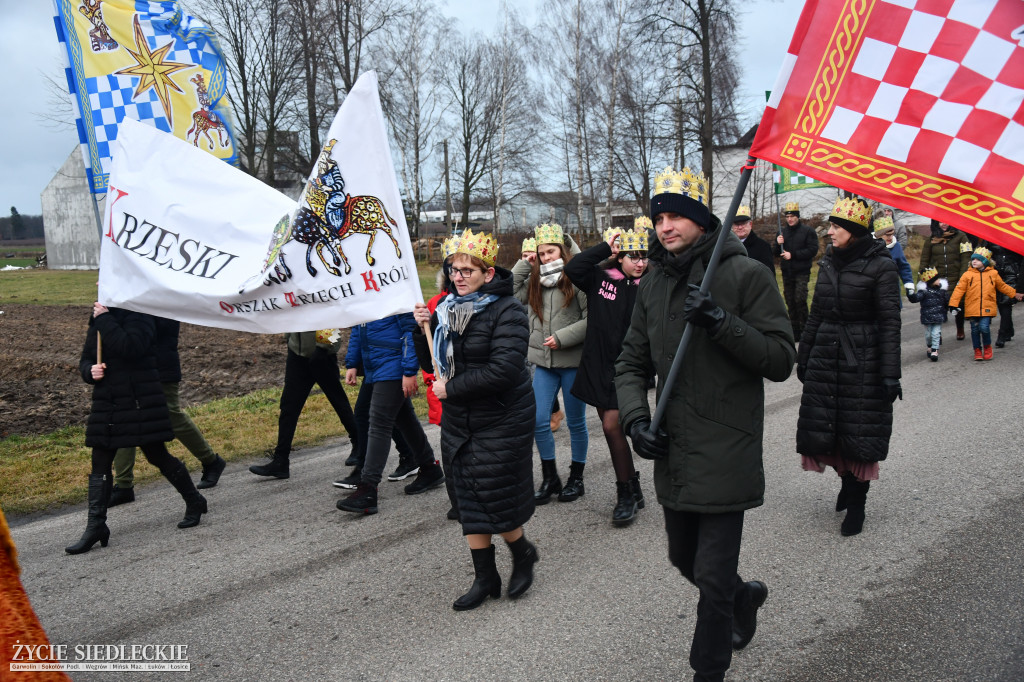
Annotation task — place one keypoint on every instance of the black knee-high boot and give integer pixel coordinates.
(96, 528)
(855, 501)
(486, 584)
(844, 492)
(195, 503)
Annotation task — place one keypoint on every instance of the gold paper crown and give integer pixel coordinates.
(611, 232)
(479, 245)
(883, 223)
(983, 252)
(854, 210)
(928, 274)
(685, 182)
(791, 207)
(743, 212)
(449, 246)
(642, 222)
(327, 336)
(529, 244)
(549, 233)
(633, 240)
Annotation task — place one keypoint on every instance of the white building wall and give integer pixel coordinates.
(69, 220)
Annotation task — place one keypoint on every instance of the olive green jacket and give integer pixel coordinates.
(715, 413)
(304, 343)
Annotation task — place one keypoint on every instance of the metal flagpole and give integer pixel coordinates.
(705, 284)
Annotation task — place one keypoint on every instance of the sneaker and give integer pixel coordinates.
(350, 482)
(987, 353)
(430, 477)
(276, 467)
(362, 501)
(404, 471)
(934, 355)
(352, 459)
(977, 354)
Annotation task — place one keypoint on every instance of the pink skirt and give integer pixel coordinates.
(863, 471)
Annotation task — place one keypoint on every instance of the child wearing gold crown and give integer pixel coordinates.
(932, 291)
(977, 287)
(609, 274)
(558, 325)
(480, 334)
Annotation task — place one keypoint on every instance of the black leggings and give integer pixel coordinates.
(618, 447)
(300, 374)
(156, 453)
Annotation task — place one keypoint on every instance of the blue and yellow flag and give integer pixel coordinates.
(147, 61)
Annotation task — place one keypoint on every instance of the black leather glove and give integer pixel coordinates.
(800, 371)
(701, 310)
(912, 297)
(893, 389)
(646, 444)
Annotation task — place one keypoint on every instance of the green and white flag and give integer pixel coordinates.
(787, 180)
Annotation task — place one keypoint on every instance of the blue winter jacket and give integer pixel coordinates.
(384, 348)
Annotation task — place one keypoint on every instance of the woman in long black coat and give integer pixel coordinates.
(609, 274)
(849, 360)
(481, 336)
(128, 410)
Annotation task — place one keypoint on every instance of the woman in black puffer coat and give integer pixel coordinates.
(481, 336)
(128, 409)
(849, 360)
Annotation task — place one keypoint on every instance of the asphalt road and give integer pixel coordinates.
(276, 584)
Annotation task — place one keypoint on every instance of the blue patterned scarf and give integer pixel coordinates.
(453, 314)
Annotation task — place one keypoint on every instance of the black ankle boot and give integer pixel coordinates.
(211, 473)
(625, 507)
(551, 483)
(276, 467)
(844, 492)
(854, 521)
(486, 584)
(744, 617)
(120, 496)
(638, 492)
(195, 503)
(524, 556)
(573, 489)
(96, 527)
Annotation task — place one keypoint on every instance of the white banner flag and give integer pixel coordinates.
(190, 238)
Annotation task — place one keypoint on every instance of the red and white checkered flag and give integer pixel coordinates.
(918, 104)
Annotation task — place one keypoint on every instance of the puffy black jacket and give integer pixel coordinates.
(851, 342)
(488, 417)
(1008, 266)
(168, 362)
(128, 404)
(802, 243)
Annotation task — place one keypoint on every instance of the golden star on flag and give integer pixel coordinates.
(152, 70)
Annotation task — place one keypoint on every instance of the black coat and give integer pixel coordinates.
(488, 417)
(610, 299)
(168, 362)
(851, 342)
(128, 404)
(933, 302)
(759, 250)
(802, 243)
(1008, 264)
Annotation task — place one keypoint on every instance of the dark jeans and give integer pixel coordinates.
(390, 410)
(362, 413)
(794, 288)
(299, 376)
(706, 550)
(1005, 322)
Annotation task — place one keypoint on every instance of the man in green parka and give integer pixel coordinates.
(707, 451)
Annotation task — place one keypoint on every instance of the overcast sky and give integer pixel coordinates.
(33, 148)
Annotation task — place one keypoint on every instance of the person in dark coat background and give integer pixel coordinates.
(128, 409)
(609, 274)
(1008, 265)
(796, 247)
(757, 248)
(481, 335)
(849, 360)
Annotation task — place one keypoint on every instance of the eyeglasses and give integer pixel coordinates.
(635, 257)
(464, 273)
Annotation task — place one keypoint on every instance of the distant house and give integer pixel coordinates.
(528, 209)
(71, 218)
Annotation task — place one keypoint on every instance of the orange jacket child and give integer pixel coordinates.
(978, 289)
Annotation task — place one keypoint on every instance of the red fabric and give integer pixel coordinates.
(863, 471)
(912, 108)
(433, 402)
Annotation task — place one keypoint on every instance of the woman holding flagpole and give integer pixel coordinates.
(128, 410)
(480, 339)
